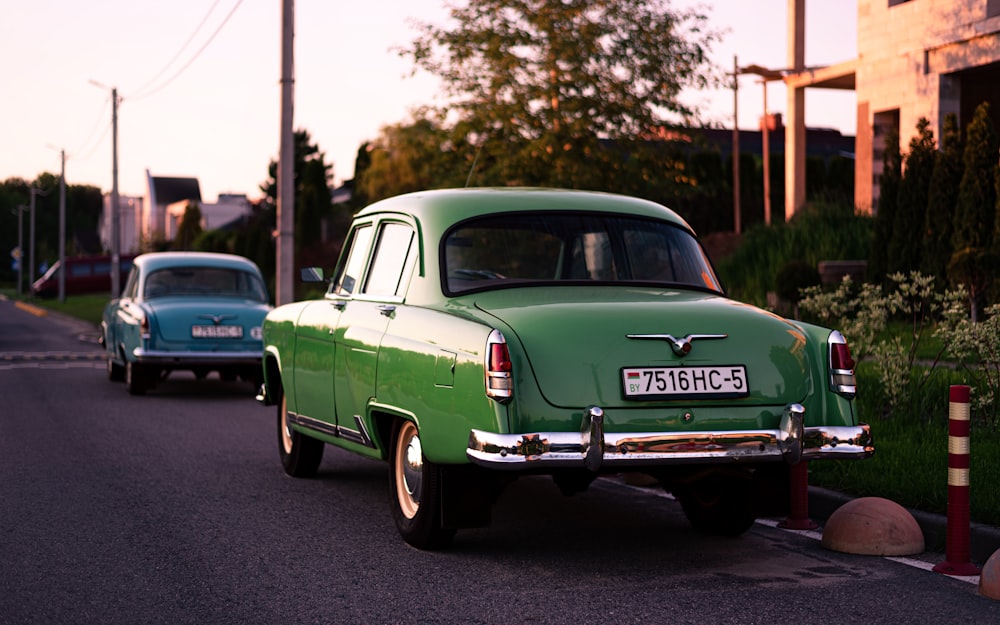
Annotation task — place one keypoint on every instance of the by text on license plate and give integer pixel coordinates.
(674, 382)
(217, 332)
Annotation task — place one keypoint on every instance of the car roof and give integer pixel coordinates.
(439, 209)
(159, 260)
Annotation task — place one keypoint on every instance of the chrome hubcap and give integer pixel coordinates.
(409, 470)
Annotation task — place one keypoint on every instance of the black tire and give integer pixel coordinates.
(719, 505)
(116, 372)
(300, 454)
(136, 378)
(415, 491)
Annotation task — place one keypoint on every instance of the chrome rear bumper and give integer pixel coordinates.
(595, 449)
(202, 358)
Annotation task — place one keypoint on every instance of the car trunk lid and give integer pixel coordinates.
(178, 317)
(580, 352)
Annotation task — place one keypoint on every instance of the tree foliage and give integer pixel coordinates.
(973, 263)
(906, 244)
(885, 216)
(535, 86)
(409, 157)
(977, 191)
(312, 176)
(189, 228)
(945, 179)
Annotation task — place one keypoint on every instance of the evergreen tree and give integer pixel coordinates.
(973, 262)
(941, 202)
(905, 245)
(189, 228)
(977, 191)
(885, 216)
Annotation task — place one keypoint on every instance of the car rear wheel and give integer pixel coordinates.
(136, 378)
(719, 505)
(415, 491)
(300, 454)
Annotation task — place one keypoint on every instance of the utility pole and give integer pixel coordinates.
(62, 225)
(31, 235)
(736, 147)
(20, 247)
(114, 235)
(115, 227)
(285, 244)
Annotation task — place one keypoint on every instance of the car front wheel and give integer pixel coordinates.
(300, 454)
(415, 491)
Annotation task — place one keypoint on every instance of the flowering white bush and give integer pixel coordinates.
(976, 347)
(862, 314)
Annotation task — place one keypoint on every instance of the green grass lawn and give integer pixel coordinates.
(86, 307)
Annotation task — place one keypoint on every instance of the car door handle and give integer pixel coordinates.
(386, 309)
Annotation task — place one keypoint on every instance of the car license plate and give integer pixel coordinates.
(677, 382)
(217, 332)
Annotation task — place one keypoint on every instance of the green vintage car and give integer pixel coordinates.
(471, 336)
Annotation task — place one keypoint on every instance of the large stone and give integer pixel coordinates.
(989, 579)
(875, 527)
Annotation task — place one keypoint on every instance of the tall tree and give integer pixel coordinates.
(973, 262)
(410, 157)
(189, 228)
(945, 178)
(885, 216)
(313, 201)
(977, 191)
(906, 244)
(537, 85)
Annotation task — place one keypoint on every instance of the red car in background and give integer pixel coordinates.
(84, 274)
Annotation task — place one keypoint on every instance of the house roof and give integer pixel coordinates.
(169, 190)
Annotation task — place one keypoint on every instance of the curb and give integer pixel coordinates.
(984, 539)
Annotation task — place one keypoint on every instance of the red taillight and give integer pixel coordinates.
(144, 327)
(499, 358)
(842, 379)
(499, 383)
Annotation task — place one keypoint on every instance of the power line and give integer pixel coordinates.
(192, 59)
(86, 143)
(179, 52)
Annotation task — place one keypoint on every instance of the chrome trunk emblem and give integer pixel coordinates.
(680, 346)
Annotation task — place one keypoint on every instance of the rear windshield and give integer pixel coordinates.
(561, 248)
(206, 282)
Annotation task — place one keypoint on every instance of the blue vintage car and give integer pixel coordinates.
(193, 311)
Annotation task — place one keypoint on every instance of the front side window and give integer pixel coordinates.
(349, 273)
(563, 248)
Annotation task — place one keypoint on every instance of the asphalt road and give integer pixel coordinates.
(172, 508)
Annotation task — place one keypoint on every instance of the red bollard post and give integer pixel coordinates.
(957, 549)
(798, 507)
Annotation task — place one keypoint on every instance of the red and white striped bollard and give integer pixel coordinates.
(957, 548)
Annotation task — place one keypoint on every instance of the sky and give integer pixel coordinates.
(199, 81)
